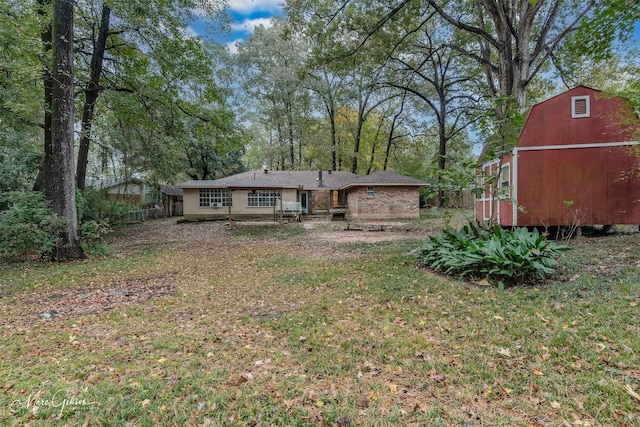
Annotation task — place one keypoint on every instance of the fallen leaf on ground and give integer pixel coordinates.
(505, 352)
(632, 392)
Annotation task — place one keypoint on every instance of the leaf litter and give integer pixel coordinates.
(263, 325)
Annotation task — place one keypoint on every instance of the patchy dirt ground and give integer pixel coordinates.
(321, 241)
(169, 231)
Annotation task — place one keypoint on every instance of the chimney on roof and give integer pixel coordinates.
(329, 171)
(319, 179)
(266, 171)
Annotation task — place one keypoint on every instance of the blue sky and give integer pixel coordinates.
(245, 15)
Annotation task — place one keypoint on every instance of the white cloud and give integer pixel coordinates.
(232, 46)
(247, 7)
(249, 25)
(190, 32)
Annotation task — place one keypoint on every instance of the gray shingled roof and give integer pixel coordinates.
(333, 180)
(171, 190)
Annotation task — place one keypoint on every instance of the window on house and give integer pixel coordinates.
(214, 197)
(370, 192)
(580, 107)
(505, 176)
(262, 198)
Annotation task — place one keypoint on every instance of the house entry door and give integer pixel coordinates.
(304, 202)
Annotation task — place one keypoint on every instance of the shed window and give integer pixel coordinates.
(214, 197)
(505, 176)
(262, 198)
(580, 107)
(370, 192)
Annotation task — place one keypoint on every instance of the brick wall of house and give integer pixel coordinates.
(388, 202)
(320, 201)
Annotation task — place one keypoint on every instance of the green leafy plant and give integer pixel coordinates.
(94, 211)
(92, 235)
(27, 225)
(510, 256)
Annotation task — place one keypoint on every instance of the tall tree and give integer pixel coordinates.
(435, 73)
(515, 38)
(512, 41)
(272, 60)
(91, 93)
(59, 160)
(120, 42)
(364, 83)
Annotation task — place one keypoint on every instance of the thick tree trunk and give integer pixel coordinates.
(59, 164)
(91, 93)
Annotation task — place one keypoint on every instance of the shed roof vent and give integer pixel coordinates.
(580, 107)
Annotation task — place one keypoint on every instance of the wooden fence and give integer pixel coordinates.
(139, 215)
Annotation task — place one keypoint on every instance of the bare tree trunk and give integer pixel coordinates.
(373, 146)
(334, 141)
(91, 92)
(387, 151)
(356, 145)
(59, 164)
(292, 157)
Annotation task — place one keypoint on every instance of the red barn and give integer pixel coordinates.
(576, 163)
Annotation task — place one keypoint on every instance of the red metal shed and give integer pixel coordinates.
(576, 163)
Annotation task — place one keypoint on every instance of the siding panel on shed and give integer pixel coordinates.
(577, 169)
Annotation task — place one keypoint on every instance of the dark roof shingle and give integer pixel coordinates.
(331, 180)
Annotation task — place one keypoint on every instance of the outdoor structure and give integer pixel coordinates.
(276, 194)
(131, 191)
(576, 163)
(171, 200)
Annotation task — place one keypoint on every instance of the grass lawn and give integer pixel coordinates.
(197, 324)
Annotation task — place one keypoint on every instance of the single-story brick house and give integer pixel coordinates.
(273, 194)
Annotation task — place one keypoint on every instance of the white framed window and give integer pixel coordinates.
(214, 197)
(505, 175)
(371, 192)
(504, 182)
(580, 107)
(262, 198)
